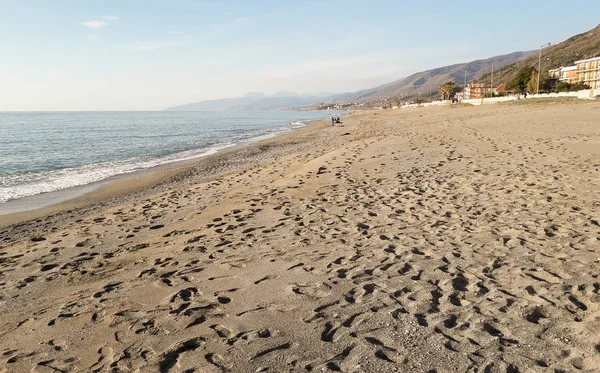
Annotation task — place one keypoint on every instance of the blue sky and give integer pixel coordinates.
(148, 55)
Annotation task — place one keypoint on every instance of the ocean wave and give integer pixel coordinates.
(19, 185)
(25, 185)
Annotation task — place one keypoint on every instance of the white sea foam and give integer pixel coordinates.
(14, 187)
(298, 124)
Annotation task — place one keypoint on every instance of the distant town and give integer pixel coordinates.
(582, 75)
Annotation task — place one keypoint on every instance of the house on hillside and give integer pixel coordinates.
(588, 72)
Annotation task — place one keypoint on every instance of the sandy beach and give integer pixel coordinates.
(448, 239)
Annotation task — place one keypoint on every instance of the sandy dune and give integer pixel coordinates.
(433, 240)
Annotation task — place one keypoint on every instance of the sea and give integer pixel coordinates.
(44, 152)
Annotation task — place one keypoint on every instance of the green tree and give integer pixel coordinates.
(532, 85)
(566, 87)
(519, 83)
(579, 86)
(562, 87)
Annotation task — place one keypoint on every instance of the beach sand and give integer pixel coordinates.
(462, 239)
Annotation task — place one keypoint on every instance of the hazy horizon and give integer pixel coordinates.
(73, 56)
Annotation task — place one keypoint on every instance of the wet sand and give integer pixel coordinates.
(426, 240)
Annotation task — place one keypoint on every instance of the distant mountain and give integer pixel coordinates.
(285, 94)
(578, 47)
(430, 80)
(253, 101)
(422, 82)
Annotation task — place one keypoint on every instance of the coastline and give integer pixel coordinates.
(447, 239)
(120, 185)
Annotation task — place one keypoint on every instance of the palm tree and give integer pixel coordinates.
(447, 89)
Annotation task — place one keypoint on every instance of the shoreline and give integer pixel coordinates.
(449, 239)
(122, 185)
(38, 205)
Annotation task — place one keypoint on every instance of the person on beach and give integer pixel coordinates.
(332, 121)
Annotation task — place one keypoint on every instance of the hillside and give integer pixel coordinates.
(429, 81)
(578, 47)
(254, 101)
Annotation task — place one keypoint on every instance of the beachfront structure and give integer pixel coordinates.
(584, 71)
(499, 89)
(478, 90)
(588, 72)
(475, 90)
(567, 74)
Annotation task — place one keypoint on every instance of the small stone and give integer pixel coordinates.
(577, 363)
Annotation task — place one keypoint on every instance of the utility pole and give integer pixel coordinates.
(492, 81)
(429, 88)
(465, 87)
(540, 66)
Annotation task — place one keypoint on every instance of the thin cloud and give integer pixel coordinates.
(152, 46)
(94, 24)
(99, 23)
(175, 33)
(92, 37)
